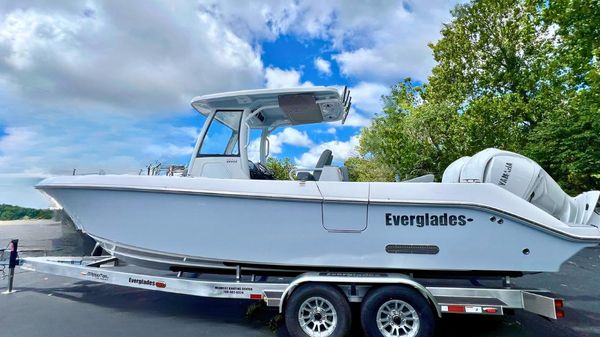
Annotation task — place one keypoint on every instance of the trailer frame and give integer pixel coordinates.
(276, 291)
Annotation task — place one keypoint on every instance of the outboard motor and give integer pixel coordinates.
(526, 179)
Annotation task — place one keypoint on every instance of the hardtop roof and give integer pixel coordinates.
(279, 106)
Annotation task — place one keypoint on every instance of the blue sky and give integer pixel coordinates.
(106, 85)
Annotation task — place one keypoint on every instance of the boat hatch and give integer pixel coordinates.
(344, 206)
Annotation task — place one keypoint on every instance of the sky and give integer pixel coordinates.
(106, 85)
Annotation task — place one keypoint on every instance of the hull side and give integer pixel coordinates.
(271, 232)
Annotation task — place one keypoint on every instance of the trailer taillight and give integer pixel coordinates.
(558, 308)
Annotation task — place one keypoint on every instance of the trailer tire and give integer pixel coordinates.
(318, 310)
(396, 311)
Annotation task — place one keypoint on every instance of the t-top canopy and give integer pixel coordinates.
(276, 107)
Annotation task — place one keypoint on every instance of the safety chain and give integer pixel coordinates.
(3, 274)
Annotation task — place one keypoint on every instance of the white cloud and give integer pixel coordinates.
(289, 136)
(278, 78)
(356, 119)
(323, 66)
(374, 64)
(293, 137)
(254, 150)
(329, 131)
(270, 18)
(381, 41)
(395, 45)
(341, 151)
(87, 85)
(366, 96)
(120, 56)
(168, 150)
(189, 131)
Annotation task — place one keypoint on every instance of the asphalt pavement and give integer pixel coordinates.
(53, 306)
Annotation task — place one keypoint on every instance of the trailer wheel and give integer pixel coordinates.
(318, 310)
(396, 311)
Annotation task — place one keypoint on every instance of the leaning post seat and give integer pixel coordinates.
(324, 160)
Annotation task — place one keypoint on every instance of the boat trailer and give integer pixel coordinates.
(282, 292)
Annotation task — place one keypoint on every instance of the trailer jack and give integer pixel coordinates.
(13, 261)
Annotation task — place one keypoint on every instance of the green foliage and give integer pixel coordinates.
(578, 25)
(281, 168)
(488, 121)
(411, 137)
(362, 169)
(568, 145)
(520, 75)
(10, 212)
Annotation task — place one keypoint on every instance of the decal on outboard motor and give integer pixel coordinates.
(505, 174)
(426, 219)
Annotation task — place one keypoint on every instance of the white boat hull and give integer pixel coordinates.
(170, 221)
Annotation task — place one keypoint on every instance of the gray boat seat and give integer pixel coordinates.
(345, 173)
(324, 160)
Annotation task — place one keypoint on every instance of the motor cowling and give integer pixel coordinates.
(528, 180)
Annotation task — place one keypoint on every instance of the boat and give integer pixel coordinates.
(496, 212)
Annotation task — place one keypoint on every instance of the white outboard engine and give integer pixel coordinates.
(526, 179)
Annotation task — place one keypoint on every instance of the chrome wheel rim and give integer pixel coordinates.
(396, 318)
(317, 317)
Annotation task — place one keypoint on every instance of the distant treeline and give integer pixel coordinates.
(10, 212)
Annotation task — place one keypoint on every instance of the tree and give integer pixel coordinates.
(577, 23)
(368, 169)
(281, 168)
(413, 137)
(566, 143)
(10, 212)
(488, 122)
(567, 146)
(492, 48)
(520, 75)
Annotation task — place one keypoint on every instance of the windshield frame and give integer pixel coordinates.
(230, 145)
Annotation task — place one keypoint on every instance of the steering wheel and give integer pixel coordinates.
(260, 171)
(265, 170)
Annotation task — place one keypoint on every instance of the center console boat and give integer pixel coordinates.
(495, 212)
